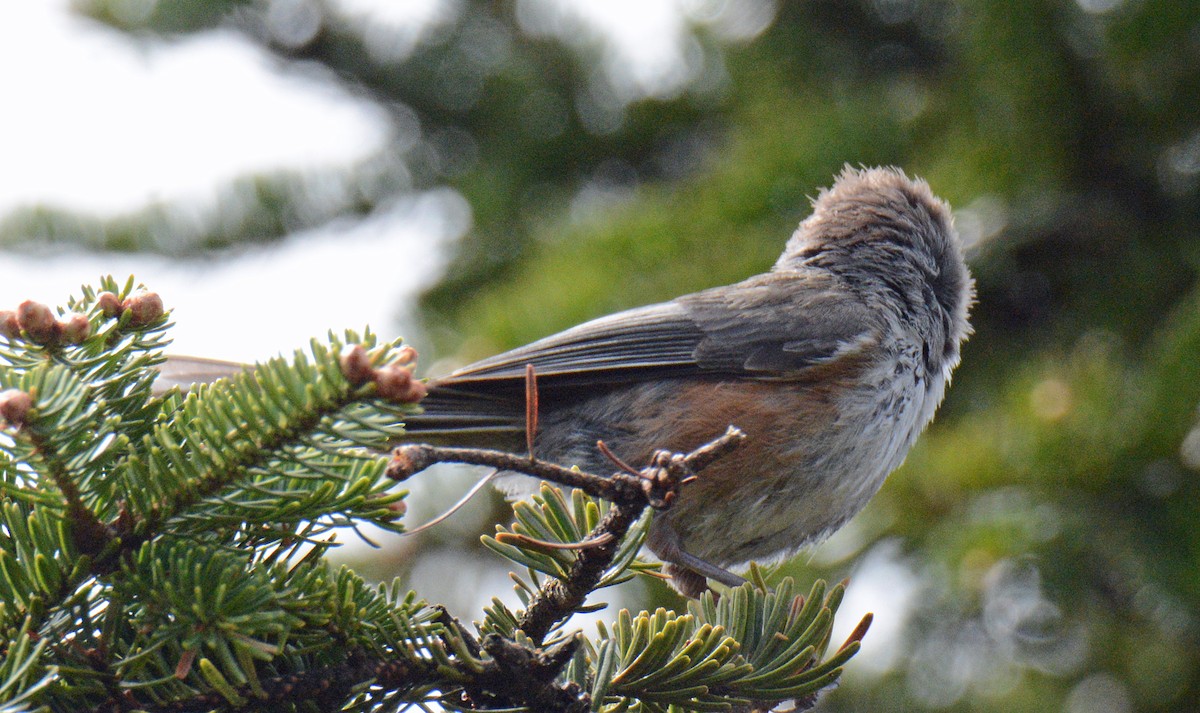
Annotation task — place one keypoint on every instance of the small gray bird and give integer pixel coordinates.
(833, 362)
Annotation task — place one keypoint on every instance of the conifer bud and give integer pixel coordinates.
(9, 327)
(356, 365)
(109, 305)
(147, 308)
(14, 406)
(76, 329)
(38, 322)
(396, 383)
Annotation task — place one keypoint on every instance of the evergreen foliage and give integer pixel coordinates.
(167, 552)
(1039, 546)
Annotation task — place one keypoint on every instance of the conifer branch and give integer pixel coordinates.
(89, 535)
(558, 599)
(151, 552)
(656, 485)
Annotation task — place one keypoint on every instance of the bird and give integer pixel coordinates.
(832, 362)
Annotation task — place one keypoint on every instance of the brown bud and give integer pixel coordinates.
(147, 308)
(417, 391)
(109, 305)
(356, 365)
(14, 406)
(396, 383)
(9, 327)
(38, 322)
(76, 329)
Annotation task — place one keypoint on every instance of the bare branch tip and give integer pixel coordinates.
(607, 453)
(407, 461)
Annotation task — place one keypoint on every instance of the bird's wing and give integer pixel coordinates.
(660, 336)
(772, 326)
(781, 326)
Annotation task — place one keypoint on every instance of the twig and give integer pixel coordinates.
(330, 684)
(614, 458)
(650, 486)
(517, 675)
(527, 676)
(408, 460)
(655, 485)
(88, 533)
(531, 408)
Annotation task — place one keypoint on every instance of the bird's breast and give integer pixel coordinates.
(815, 454)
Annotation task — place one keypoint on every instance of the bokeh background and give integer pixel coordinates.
(476, 174)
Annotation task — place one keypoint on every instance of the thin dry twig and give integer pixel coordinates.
(655, 486)
(666, 472)
(531, 408)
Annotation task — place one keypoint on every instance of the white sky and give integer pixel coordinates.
(95, 122)
(99, 123)
(90, 120)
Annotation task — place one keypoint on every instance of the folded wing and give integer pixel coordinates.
(772, 326)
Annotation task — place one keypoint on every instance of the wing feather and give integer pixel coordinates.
(771, 326)
(653, 337)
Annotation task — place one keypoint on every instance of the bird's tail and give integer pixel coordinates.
(450, 415)
(187, 371)
(466, 417)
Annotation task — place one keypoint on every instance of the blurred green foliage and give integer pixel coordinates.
(1050, 520)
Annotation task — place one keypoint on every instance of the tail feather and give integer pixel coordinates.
(185, 372)
(488, 415)
(451, 416)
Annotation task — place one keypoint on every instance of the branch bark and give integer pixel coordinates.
(655, 485)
